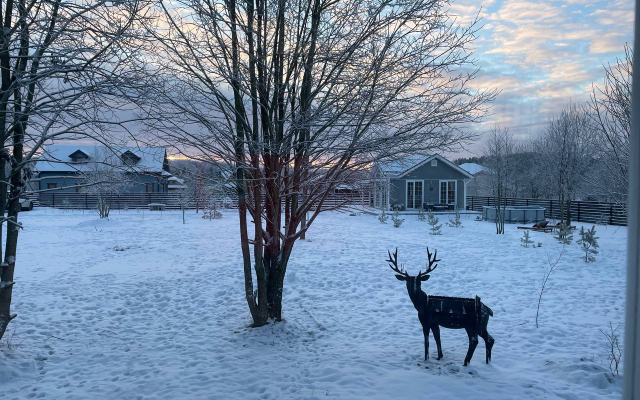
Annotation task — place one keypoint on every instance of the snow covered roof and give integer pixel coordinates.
(176, 180)
(472, 168)
(57, 158)
(399, 167)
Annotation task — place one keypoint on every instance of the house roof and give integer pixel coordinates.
(78, 154)
(57, 158)
(473, 168)
(400, 167)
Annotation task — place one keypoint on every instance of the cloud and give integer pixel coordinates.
(614, 17)
(608, 43)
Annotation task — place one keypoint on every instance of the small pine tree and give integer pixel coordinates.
(455, 223)
(421, 216)
(526, 241)
(565, 234)
(397, 221)
(383, 218)
(433, 221)
(589, 242)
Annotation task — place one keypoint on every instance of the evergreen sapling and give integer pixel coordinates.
(565, 234)
(383, 218)
(589, 242)
(397, 221)
(455, 223)
(433, 221)
(526, 241)
(421, 216)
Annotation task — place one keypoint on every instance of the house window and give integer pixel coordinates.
(447, 192)
(434, 163)
(414, 194)
(52, 185)
(149, 187)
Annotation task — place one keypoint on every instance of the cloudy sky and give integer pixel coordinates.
(543, 54)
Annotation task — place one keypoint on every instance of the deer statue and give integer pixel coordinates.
(447, 312)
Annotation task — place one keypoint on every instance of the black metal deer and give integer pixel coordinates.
(447, 312)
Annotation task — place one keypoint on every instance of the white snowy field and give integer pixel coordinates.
(143, 307)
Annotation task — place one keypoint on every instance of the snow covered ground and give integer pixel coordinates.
(143, 307)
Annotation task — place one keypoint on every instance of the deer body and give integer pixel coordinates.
(447, 312)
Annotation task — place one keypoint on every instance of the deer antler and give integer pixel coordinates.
(393, 263)
(432, 260)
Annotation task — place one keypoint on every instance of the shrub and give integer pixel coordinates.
(397, 221)
(433, 221)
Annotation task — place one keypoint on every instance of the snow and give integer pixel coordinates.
(472, 168)
(56, 158)
(141, 306)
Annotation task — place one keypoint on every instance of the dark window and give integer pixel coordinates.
(52, 185)
(149, 187)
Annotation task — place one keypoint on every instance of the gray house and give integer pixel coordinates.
(64, 167)
(415, 182)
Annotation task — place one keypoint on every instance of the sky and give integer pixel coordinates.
(542, 55)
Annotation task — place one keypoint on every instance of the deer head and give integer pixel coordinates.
(414, 283)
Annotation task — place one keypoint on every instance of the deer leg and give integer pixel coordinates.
(473, 342)
(488, 343)
(425, 331)
(436, 336)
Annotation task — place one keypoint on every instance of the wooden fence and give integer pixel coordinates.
(173, 201)
(581, 211)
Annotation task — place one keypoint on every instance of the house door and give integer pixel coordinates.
(414, 194)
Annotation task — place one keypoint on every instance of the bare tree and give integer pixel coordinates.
(566, 154)
(295, 96)
(64, 69)
(610, 111)
(499, 152)
(105, 177)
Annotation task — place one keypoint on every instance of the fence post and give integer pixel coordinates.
(578, 211)
(86, 201)
(527, 202)
(472, 197)
(53, 199)
(551, 209)
(611, 214)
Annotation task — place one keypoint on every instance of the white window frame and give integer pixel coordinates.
(406, 191)
(455, 191)
(434, 163)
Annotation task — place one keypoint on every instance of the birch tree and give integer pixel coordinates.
(64, 69)
(499, 152)
(295, 96)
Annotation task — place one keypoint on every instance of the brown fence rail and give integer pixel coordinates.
(581, 211)
(173, 201)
